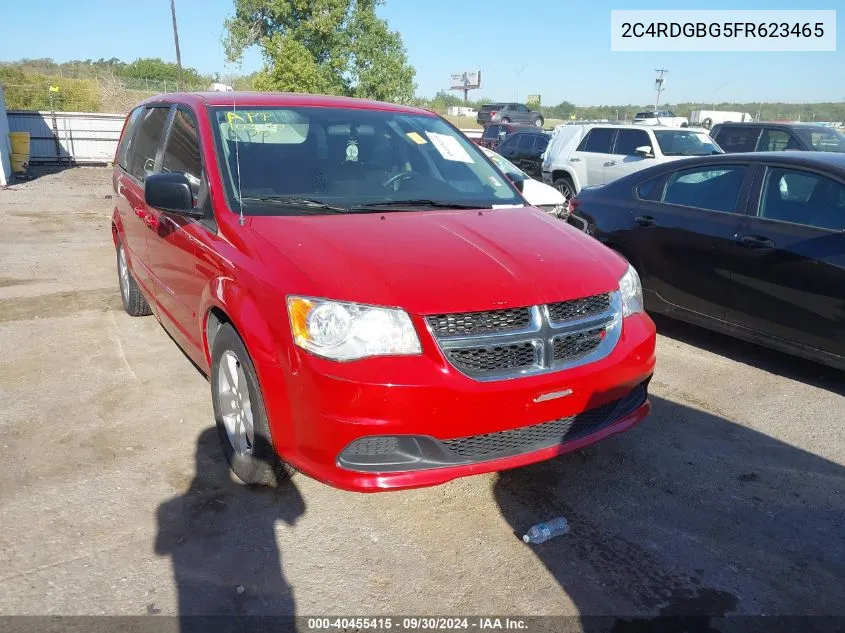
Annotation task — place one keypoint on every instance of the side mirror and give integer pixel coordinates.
(170, 192)
(644, 151)
(518, 180)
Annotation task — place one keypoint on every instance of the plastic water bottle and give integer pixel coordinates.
(547, 530)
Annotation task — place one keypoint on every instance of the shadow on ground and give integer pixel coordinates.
(688, 516)
(221, 538)
(769, 360)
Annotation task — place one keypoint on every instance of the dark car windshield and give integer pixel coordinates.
(307, 160)
(645, 115)
(823, 140)
(685, 143)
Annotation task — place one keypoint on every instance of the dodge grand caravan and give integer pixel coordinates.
(373, 302)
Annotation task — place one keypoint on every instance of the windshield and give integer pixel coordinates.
(503, 164)
(685, 143)
(823, 140)
(644, 115)
(291, 160)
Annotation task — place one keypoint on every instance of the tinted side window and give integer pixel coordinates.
(491, 131)
(629, 140)
(540, 144)
(803, 198)
(182, 153)
(712, 187)
(146, 141)
(774, 140)
(526, 142)
(737, 139)
(648, 190)
(598, 140)
(126, 139)
(508, 144)
(522, 108)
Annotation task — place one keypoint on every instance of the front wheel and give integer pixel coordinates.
(133, 301)
(539, 121)
(240, 415)
(565, 186)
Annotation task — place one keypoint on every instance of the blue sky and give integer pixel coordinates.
(564, 47)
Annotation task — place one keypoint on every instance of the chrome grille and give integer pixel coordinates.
(498, 344)
(484, 360)
(469, 323)
(578, 344)
(579, 308)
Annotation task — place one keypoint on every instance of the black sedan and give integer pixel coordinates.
(752, 245)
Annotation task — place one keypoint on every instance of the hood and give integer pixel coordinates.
(441, 261)
(539, 194)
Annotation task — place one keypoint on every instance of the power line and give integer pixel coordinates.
(659, 84)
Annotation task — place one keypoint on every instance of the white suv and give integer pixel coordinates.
(579, 156)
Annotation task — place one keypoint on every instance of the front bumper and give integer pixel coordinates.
(438, 418)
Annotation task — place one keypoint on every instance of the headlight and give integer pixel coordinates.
(557, 210)
(346, 331)
(632, 292)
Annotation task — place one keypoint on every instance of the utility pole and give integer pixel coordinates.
(176, 41)
(659, 84)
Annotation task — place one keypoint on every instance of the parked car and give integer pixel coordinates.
(495, 133)
(538, 194)
(509, 113)
(775, 137)
(708, 118)
(752, 245)
(373, 302)
(580, 156)
(524, 148)
(660, 117)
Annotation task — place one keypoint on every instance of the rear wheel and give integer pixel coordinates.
(240, 415)
(707, 124)
(506, 120)
(133, 301)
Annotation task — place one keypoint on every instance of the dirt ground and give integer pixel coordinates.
(730, 498)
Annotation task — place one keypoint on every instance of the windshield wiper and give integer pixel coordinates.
(306, 203)
(416, 202)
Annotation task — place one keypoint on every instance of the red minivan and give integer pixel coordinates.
(374, 303)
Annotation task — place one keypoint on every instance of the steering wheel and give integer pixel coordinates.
(401, 176)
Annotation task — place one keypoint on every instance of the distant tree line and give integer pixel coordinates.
(566, 110)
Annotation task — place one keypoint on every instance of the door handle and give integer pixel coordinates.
(645, 220)
(574, 160)
(610, 163)
(756, 241)
(151, 221)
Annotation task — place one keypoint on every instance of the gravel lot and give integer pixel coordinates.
(730, 498)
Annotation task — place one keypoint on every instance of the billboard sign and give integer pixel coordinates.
(533, 99)
(466, 80)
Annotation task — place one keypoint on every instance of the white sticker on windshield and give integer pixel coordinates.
(449, 147)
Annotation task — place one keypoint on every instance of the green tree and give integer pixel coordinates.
(336, 47)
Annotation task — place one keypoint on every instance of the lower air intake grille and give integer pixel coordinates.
(538, 436)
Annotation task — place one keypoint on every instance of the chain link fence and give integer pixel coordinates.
(107, 93)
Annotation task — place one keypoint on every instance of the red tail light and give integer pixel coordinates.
(493, 113)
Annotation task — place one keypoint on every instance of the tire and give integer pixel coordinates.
(133, 301)
(684, 124)
(538, 122)
(707, 123)
(505, 120)
(252, 459)
(565, 186)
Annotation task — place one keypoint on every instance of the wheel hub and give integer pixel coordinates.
(235, 404)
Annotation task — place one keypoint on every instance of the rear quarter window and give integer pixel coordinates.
(126, 138)
(737, 139)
